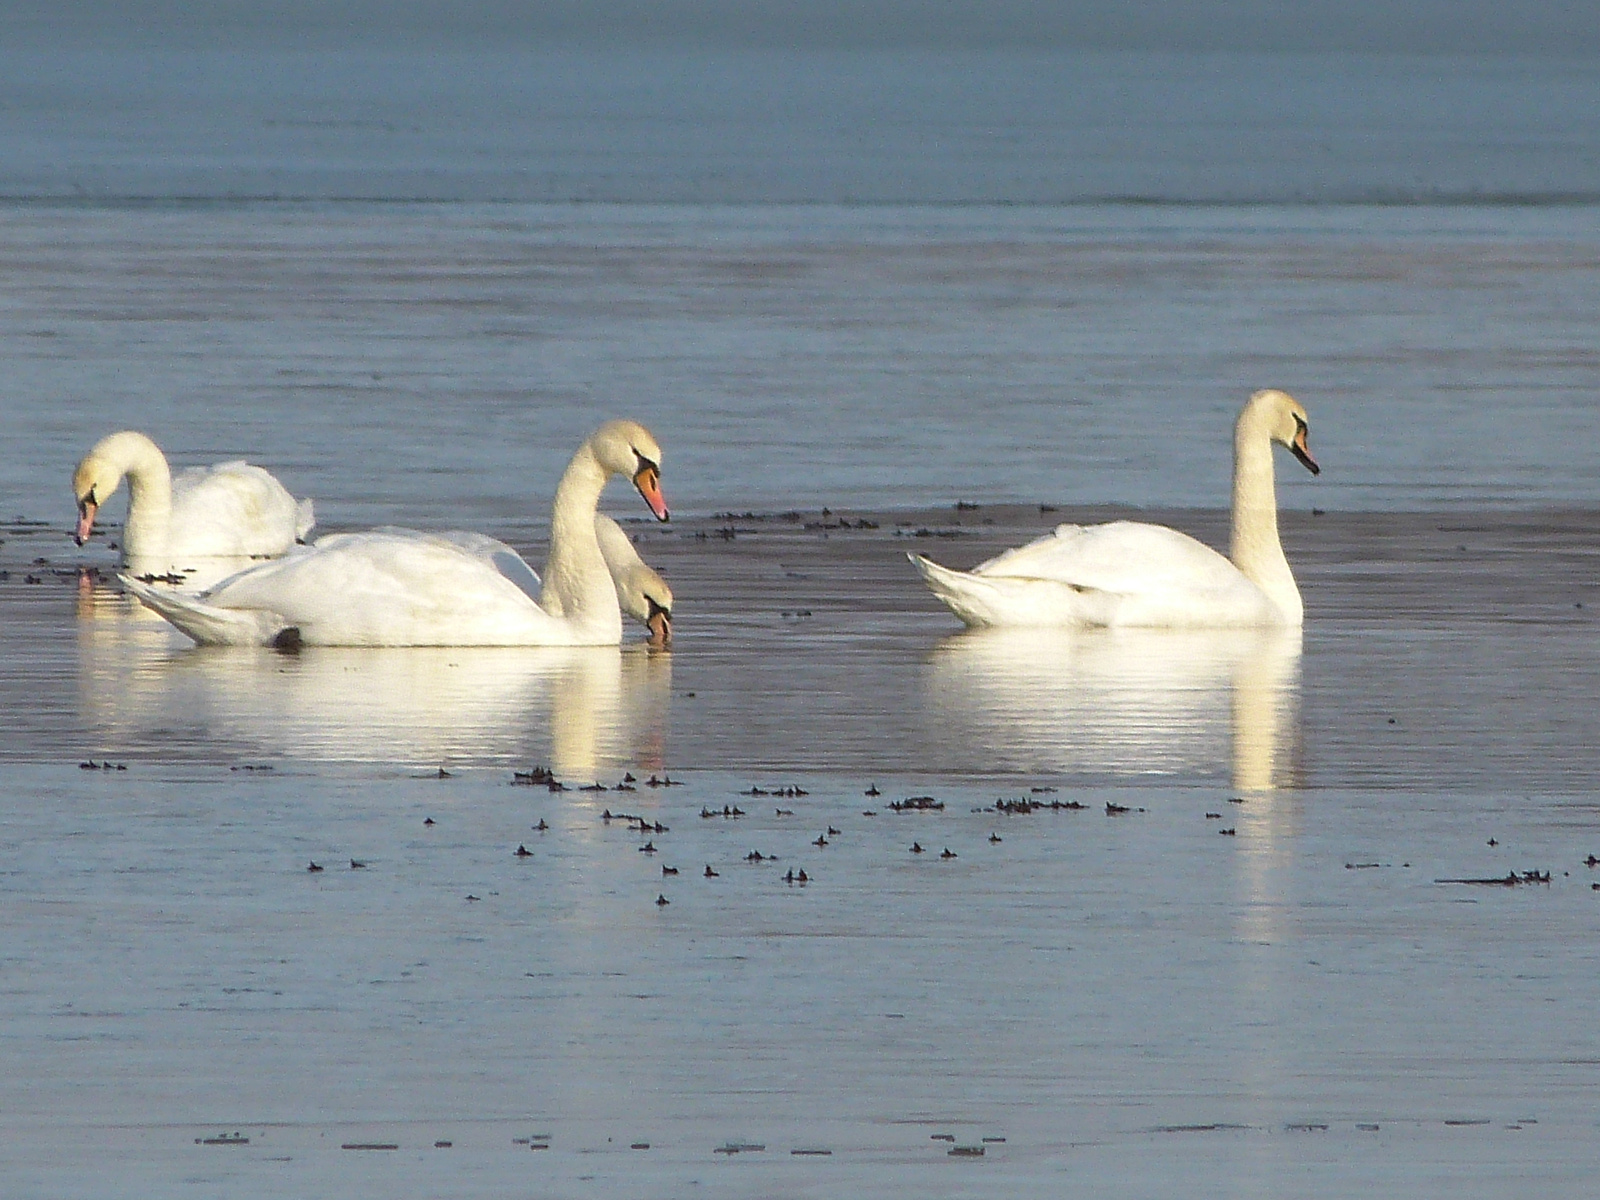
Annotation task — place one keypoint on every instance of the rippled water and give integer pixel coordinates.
(436, 365)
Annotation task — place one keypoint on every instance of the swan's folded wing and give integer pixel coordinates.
(1123, 557)
(233, 508)
(499, 556)
(392, 587)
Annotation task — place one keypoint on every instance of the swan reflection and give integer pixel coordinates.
(588, 711)
(1123, 701)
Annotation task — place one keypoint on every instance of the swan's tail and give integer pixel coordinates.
(976, 601)
(305, 518)
(209, 624)
(983, 600)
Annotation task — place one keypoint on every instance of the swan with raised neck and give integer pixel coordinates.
(401, 587)
(1132, 574)
(1255, 548)
(231, 509)
(578, 582)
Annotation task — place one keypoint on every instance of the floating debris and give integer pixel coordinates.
(917, 804)
(224, 1139)
(740, 1148)
(1511, 879)
(966, 1152)
(1024, 806)
(370, 1146)
(532, 776)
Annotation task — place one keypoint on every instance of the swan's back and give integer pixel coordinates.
(394, 587)
(234, 508)
(1127, 573)
(1120, 556)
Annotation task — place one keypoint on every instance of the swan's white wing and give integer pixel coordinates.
(493, 552)
(1122, 556)
(1123, 573)
(233, 508)
(392, 587)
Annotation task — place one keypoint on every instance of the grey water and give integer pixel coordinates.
(870, 302)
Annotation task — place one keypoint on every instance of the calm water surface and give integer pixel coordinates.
(1137, 1001)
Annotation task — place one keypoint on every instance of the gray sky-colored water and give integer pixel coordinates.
(1455, 26)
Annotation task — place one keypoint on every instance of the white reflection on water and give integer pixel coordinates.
(1123, 702)
(587, 711)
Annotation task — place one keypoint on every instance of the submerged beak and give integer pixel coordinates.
(86, 511)
(648, 480)
(1302, 451)
(659, 624)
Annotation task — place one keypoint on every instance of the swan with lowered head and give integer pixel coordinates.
(642, 593)
(1127, 573)
(396, 587)
(230, 510)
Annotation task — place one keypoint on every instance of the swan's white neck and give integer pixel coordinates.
(577, 584)
(1255, 548)
(136, 458)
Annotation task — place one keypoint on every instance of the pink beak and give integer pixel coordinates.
(85, 526)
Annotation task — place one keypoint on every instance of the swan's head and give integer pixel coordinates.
(628, 448)
(1286, 423)
(646, 597)
(642, 593)
(92, 484)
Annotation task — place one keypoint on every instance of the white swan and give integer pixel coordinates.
(230, 510)
(642, 593)
(396, 587)
(1131, 574)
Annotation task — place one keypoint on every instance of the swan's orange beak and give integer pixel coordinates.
(1302, 451)
(86, 511)
(659, 625)
(648, 480)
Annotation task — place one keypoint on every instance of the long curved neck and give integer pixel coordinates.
(576, 582)
(1255, 548)
(141, 462)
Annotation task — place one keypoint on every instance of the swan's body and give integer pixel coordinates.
(398, 587)
(230, 510)
(1129, 574)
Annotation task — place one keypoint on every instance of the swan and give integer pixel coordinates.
(642, 593)
(230, 510)
(398, 587)
(1127, 573)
